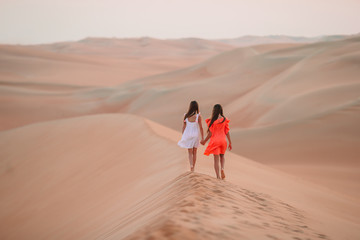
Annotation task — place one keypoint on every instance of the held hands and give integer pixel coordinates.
(202, 142)
(230, 147)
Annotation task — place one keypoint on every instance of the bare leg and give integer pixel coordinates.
(216, 166)
(222, 162)
(194, 157)
(190, 151)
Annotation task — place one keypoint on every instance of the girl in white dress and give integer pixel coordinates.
(190, 132)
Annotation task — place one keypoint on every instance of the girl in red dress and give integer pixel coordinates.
(217, 132)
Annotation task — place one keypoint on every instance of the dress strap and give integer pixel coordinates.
(197, 117)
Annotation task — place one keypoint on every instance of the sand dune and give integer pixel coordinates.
(101, 62)
(88, 140)
(298, 101)
(49, 80)
(244, 80)
(323, 148)
(114, 176)
(29, 65)
(74, 176)
(205, 203)
(139, 48)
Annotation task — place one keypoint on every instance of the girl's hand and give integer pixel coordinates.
(202, 142)
(230, 147)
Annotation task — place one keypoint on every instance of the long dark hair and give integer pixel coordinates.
(217, 110)
(193, 109)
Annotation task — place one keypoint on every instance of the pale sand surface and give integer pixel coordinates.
(75, 178)
(114, 176)
(70, 171)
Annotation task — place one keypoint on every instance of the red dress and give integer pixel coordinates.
(217, 144)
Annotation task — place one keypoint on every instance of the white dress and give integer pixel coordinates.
(190, 137)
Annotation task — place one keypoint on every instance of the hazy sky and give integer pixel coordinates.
(40, 21)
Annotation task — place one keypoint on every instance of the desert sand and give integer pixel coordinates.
(88, 146)
(102, 62)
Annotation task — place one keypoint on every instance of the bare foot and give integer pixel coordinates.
(191, 168)
(222, 174)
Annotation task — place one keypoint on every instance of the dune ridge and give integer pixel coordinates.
(199, 214)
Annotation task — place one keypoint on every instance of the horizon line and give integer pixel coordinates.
(189, 37)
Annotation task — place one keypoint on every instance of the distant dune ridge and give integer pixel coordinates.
(101, 61)
(245, 41)
(88, 134)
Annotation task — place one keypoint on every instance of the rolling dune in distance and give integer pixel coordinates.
(88, 134)
(101, 61)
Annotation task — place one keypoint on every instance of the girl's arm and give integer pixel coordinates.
(201, 129)
(228, 137)
(184, 126)
(206, 139)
